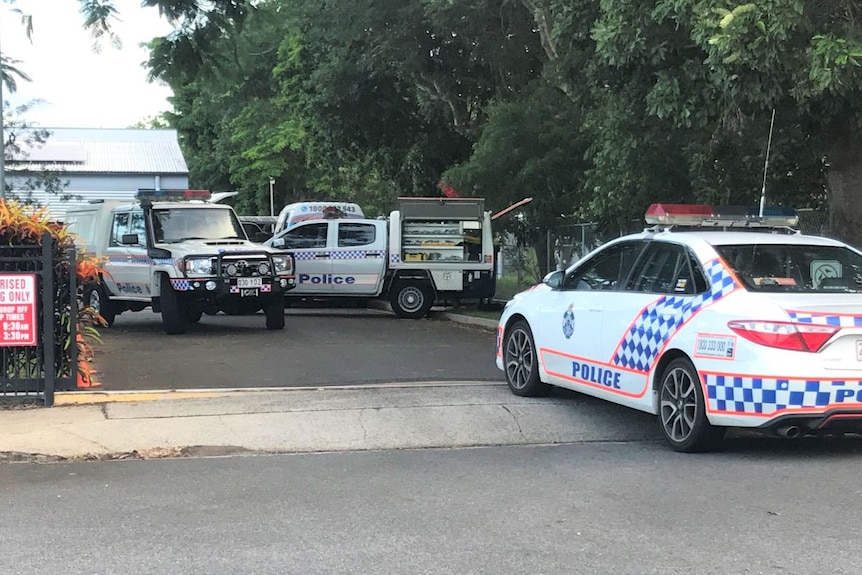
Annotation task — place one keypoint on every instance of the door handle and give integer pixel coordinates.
(321, 255)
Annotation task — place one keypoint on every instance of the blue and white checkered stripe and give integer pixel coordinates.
(661, 319)
(181, 285)
(394, 258)
(340, 255)
(826, 319)
(762, 395)
(355, 254)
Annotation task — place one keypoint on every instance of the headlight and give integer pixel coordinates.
(282, 264)
(199, 267)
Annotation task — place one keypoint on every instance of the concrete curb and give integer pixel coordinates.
(485, 323)
(70, 398)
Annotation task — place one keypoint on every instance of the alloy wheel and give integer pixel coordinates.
(519, 358)
(95, 300)
(678, 404)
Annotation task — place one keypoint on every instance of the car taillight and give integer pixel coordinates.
(784, 335)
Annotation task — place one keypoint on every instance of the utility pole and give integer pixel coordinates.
(2, 143)
(271, 197)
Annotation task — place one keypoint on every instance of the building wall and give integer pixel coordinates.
(87, 187)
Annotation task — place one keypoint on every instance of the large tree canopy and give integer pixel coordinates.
(593, 107)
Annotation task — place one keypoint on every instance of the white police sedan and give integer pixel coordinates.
(709, 320)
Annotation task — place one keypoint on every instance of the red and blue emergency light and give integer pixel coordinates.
(704, 215)
(172, 195)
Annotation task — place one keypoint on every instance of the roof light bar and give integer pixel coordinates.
(172, 195)
(678, 214)
(703, 215)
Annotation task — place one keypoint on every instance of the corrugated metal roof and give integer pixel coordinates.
(92, 150)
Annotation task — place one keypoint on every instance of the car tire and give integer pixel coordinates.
(274, 310)
(96, 297)
(174, 317)
(682, 410)
(194, 314)
(411, 300)
(521, 362)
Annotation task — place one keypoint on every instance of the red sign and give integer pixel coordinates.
(17, 310)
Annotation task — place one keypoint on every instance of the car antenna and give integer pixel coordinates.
(766, 165)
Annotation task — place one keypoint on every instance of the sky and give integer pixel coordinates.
(80, 88)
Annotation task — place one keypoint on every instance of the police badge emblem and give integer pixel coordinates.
(569, 322)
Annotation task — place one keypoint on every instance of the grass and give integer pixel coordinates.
(481, 313)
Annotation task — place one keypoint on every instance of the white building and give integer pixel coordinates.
(99, 164)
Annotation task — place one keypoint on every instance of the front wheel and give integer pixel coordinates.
(96, 297)
(521, 362)
(174, 317)
(411, 300)
(274, 310)
(682, 410)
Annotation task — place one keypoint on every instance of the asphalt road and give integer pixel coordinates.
(318, 347)
(761, 507)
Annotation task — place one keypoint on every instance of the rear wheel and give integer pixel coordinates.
(96, 297)
(411, 300)
(521, 362)
(274, 310)
(682, 410)
(174, 317)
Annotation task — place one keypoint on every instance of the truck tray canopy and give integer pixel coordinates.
(441, 208)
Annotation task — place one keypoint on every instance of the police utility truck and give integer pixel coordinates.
(175, 252)
(429, 249)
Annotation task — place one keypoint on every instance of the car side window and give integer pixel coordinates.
(137, 226)
(667, 269)
(308, 236)
(659, 268)
(606, 269)
(697, 275)
(119, 227)
(356, 234)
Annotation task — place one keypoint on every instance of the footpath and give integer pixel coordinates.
(110, 425)
(116, 425)
(216, 422)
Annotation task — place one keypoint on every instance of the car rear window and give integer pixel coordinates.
(795, 268)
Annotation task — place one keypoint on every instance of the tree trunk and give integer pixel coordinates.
(844, 181)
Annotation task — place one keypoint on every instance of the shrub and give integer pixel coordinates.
(22, 229)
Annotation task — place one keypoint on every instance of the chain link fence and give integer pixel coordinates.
(519, 268)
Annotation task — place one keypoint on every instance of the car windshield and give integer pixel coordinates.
(173, 225)
(795, 268)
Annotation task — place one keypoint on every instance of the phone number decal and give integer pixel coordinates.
(715, 346)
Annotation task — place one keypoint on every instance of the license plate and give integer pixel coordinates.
(249, 282)
(248, 292)
(859, 349)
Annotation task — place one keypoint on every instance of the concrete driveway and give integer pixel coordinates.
(318, 347)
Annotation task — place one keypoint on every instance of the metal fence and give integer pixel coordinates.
(34, 372)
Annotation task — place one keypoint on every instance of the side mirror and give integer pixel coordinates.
(278, 243)
(554, 279)
(129, 240)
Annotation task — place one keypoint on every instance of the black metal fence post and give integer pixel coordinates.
(49, 365)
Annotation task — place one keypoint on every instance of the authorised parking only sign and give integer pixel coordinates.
(17, 310)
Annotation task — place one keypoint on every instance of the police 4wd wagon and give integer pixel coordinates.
(182, 256)
(711, 319)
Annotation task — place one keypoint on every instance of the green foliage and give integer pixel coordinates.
(595, 109)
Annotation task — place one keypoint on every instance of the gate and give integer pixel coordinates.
(29, 372)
